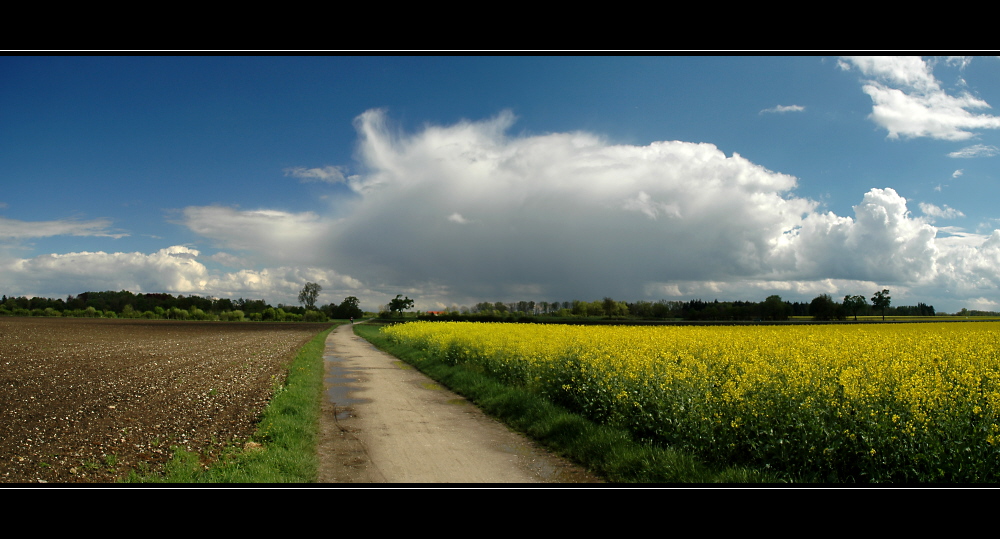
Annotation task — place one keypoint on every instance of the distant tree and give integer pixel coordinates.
(291, 309)
(350, 308)
(881, 301)
(823, 307)
(853, 304)
(399, 304)
(774, 308)
(309, 294)
(609, 306)
(312, 316)
(223, 304)
(232, 316)
(250, 306)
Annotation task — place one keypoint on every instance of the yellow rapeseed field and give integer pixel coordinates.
(865, 403)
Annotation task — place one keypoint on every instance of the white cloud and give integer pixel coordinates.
(457, 218)
(983, 304)
(909, 101)
(565, 212)
(971, 267)
(274, 237)
(175, 270)
(747, 289)
(784, 108)
(957, 173)
(167, 270)
(567, 215)
(15, 229)
(282, 284)
(643, 203)
(908, 71)
(961, 61)
(881, 243)
(931, 210)
(329, 174)
(976, 150)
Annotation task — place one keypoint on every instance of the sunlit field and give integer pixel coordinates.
(832, 403)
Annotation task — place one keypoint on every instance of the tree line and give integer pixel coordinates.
(160, 306)
(773, 308)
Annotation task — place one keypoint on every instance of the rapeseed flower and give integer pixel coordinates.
(765, 395)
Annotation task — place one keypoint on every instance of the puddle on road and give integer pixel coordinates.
(339, 383)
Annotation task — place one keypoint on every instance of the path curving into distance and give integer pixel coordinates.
(385, 422)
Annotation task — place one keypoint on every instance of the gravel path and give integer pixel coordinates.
(385, 422)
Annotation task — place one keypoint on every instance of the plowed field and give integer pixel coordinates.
(87, 400)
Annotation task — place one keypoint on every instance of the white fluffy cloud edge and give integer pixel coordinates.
(908, 101)
(174, 269)
(454, 215)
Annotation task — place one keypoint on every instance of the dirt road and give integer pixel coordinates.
(385, 422)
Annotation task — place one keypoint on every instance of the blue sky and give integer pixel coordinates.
(455, 180)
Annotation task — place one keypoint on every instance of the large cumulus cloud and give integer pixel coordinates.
(882, 243)
(477, 213)
(567, 213)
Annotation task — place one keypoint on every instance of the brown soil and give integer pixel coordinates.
(88, 400)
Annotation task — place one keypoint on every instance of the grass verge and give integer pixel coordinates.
(610, 452)
(283, 450)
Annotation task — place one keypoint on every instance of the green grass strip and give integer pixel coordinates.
(283, 450)
(609, 452)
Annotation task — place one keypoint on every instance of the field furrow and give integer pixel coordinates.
(87, 400)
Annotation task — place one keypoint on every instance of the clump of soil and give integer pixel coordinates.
(88, 400)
